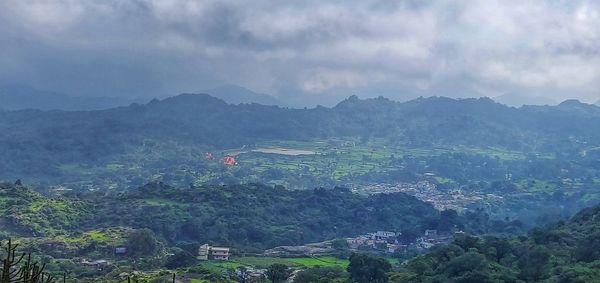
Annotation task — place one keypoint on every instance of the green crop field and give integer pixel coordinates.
(290, 163)
(320, 261)
(264, 262)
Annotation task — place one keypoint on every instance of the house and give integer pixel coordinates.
(431, 234)
(219, 253)
(392, 248)
(206, 252)
(98, 264)
(385, 234)
(354, 243)
(120, 250)
(423, 244)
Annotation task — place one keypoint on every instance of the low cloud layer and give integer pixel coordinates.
(295, 49)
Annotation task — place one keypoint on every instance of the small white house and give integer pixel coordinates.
(206, 252)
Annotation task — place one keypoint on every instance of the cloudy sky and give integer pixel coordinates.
(318, 50)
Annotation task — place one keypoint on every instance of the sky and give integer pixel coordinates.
(304, 50)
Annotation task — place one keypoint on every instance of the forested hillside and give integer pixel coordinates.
(247, 217)
(41, 141)
(566, 251)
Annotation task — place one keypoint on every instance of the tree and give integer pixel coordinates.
(142, 242)
(21, 269)
(277, 272)
(319, 275)
(368, 269)
(466, 266)
(534, 263)
(589, 249)
(340, 244)
(498, 248)
(179, 258)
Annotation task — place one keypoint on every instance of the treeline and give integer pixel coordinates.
(43, 141)
(562, 252)
(247, 217)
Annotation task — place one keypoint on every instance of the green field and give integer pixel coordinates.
(336, 161)
(264, 262)
(533, 185)
(320, 261)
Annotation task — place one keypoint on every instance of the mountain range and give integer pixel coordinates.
(236, 94)
(58, 137)
(19, 97)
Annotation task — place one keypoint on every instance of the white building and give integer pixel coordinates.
(206, 252)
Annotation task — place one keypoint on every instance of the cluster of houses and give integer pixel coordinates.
(390, 242)
(427, 191)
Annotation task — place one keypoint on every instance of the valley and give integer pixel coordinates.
(266, 199)
(261, 141)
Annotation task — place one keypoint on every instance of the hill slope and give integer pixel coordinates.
(43, 141)
(250, 217)
(567, 251)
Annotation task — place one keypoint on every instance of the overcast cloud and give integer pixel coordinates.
(316, 49)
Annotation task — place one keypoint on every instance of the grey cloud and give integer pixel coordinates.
(315, 49)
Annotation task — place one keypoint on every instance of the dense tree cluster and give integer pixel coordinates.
(38, 141)
(561, 252)
(248, 217)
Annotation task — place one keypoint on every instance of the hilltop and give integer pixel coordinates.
(236, 95)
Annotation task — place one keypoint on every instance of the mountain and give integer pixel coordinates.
(60, 137)
(597, 103)
(518, 100)
(574, 105)
(16, 97)
(236, 94)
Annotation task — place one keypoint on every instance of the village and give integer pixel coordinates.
(382, 242)
(456, 199)
(391, 242)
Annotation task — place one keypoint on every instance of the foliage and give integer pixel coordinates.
(277, 273)
(320, 275)
(142, 242)
(367, 269)
(561, 252)
(20, 268)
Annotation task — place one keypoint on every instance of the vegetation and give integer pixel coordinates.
(247, 217)
(277, 273)
(531, 155)
(367, 269)
(167, 231)
(566, 251)
(503, 169)
(20, 268)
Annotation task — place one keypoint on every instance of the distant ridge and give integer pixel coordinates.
(203, 120)
(235, 94)
(518, 100)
